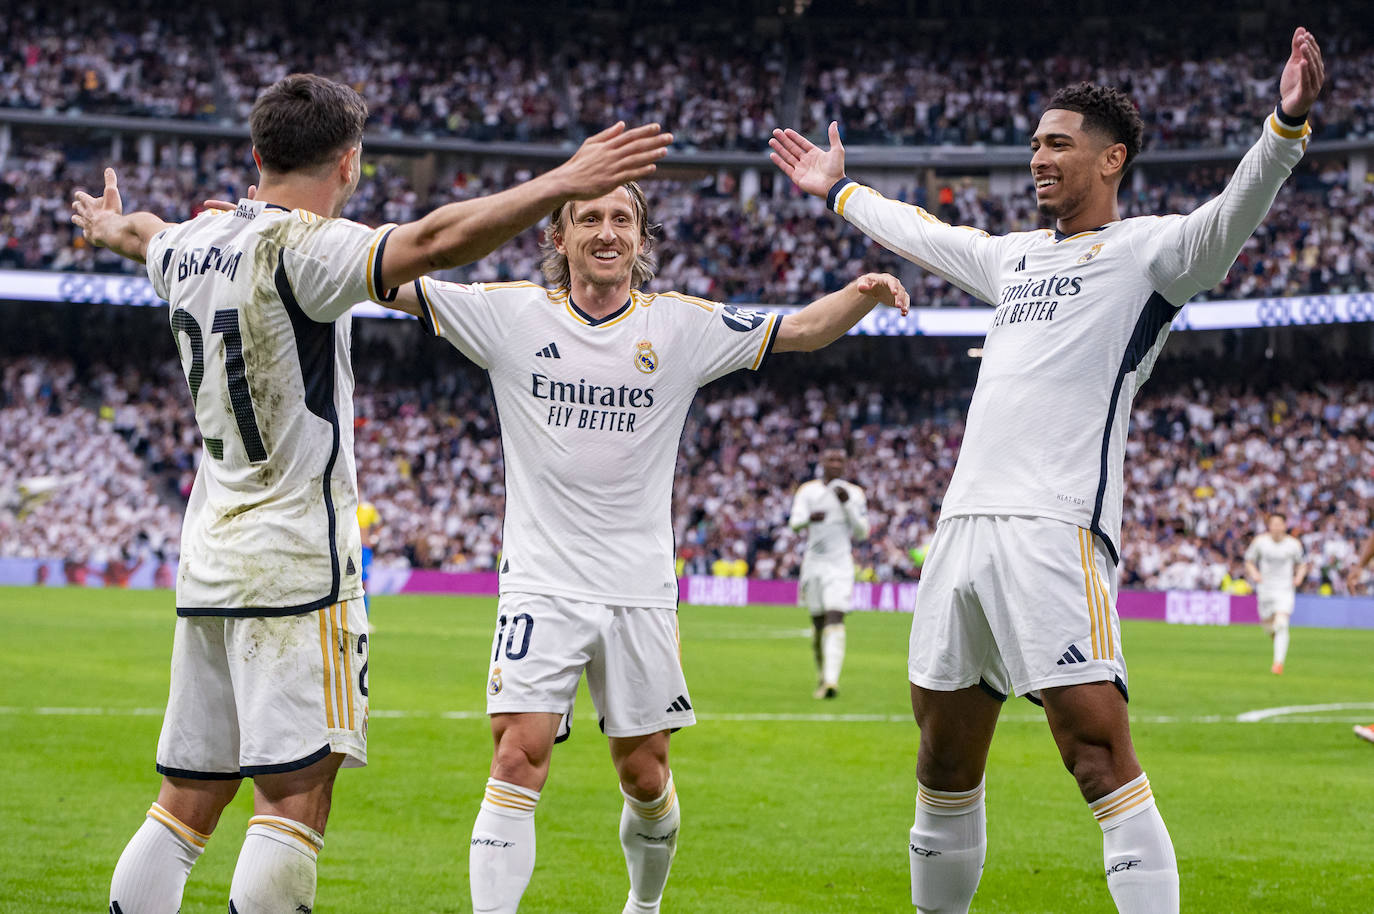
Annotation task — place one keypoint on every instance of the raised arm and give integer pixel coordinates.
(1194, 253)
(106, 225)
(460, 233)
(828, 318)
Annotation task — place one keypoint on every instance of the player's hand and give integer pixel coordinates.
(886, 288)
(225, 205)
(1352, 579)
(1302, 75)
(812, 169)
(98, 217)
(817, 517)
(611, 158)
(841, 493)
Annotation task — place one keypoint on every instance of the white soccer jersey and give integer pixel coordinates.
(591, 415)
(1276, 560)
(829, 542)
(1079, 323)
(259, 301)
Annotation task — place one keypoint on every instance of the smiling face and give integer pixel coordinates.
(601, 240)
(833, 462)
(1076, 171)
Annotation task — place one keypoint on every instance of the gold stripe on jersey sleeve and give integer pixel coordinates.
(844, 196)
(429, 308)
(171, 822)
(763, 344)
(1289, 133)
(347, 647)
(340, 691)
(372, 291)
(516, 284)
(1088, 594)
(689, 299)
(325, 654)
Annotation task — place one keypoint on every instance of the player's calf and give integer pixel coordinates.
(150, 876)
(275, 873)
(648, 836)
(501, 855)
(1142, 872)
(947, 849)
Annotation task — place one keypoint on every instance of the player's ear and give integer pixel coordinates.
(1113, 159)
(257, 159)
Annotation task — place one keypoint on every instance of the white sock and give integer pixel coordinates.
(648, 835)
(275, 873)
(501, 858)
(949, 843)
(1142, 873)
(832, 651)
(151, 873)
(1280, 640)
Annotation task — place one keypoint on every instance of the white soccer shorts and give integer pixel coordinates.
(827, 591)
(1018, 604)
(1270, 604)
(257, 696)
(631, 655)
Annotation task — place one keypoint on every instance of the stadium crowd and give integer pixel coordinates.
(717, 86)
(96, 461)
(1319, 236)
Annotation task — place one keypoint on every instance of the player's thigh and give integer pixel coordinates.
(539, 649)
(1049, 590)
(302, 687)
(642, 763)
(952, 647)
(302, 795)
(837, 592)
(200, 728)
(636, 677)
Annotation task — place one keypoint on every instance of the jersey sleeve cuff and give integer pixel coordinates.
(375, 289)
(834, 199)
(1289, 127)
(426, 315)
(766, 349)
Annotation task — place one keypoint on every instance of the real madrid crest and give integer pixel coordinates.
(1092, 252)
(646, 360)
(494, 685)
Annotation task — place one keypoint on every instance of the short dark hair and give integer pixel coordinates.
(303, 120)
(1105, 110)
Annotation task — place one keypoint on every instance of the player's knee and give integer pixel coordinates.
(1096, 768)
(834, 617)
(1280, 624)
(947, 767)
(521, 761)
(645, 782)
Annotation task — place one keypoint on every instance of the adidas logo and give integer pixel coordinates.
(680, 704)
(1021, 265)
(548, 352)
(1072, 655)
(349, 568)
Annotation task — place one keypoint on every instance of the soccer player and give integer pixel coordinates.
(834, 513)
(269, 660)
(1352, 583)
(1018, 591)
(593, 379)
(1274, 561)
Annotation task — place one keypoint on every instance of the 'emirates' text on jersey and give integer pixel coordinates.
(829, 542)
(259, 310)
(1079, 323)
(591, 415)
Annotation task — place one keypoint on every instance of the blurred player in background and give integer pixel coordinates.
(593, 380)
(270, 545)
(834, 514)
(1274, 561)
(1353, 581)
(1018, 593)
(368, 517)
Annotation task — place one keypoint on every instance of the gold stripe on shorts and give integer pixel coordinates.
(347, 648)
(1106, 612)
(339, 687)
(325, 655)
(1088, 594)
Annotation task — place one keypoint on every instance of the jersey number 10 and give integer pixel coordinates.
(240, 398)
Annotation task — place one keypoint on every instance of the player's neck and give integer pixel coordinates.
(1093, 216)
(310, 195)
(597, 301)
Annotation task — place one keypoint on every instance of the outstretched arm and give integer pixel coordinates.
(463, 232)
(1195, 253)
(106, 225)
(1352, 577)
(828, 318)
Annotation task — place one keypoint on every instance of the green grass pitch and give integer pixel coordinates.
(789, 804)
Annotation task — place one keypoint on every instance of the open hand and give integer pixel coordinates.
(886, 288)
(613, 157)
(97, 216)
(225, 205)
(1302, 75)
(812, 169)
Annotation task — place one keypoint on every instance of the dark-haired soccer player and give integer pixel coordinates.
(1019, 589)
(269, 661)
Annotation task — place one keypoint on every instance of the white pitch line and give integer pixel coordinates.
(1280, 715)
